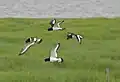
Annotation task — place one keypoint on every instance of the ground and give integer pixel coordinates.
(82, 63)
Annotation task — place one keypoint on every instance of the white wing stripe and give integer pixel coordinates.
(27, 47)
(56, 47)
(54, 51)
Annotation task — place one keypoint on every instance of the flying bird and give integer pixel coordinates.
(55, 25)
(76, 36)
(29, 42)
(53, 55)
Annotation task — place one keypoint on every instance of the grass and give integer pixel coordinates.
(82, 63)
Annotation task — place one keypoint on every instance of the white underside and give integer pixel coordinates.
(27, 47)
(53, 59)
(57, 28)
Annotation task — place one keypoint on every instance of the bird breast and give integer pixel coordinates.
(53, 59)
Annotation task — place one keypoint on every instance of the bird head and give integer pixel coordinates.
(47, 59)
(39, 41)
(60, 60)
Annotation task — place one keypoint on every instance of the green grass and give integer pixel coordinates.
(82, 63)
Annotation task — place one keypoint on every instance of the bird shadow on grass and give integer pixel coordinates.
(60, 65)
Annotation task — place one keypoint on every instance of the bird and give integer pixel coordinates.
(55, 25)
(29, 42)
(53, 55)
(71, 35)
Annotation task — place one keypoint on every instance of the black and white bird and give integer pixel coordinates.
(28, 43)
(76, 36)
(53, 55)
(55, 25)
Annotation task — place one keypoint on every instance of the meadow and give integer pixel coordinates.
(87, 62)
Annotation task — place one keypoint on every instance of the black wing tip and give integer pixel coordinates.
(58, 43)
(63, 21)
(20, 54)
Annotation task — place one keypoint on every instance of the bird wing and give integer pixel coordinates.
(26, 48)
(54, 51)
(78, 37)
(52, 22)
(60, 22)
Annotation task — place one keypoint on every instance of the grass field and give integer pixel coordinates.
(82, 63)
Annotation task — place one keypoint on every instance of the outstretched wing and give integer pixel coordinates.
(52, 22)
(58, 24)
(78, 37)
(54, 51)
(26, 48)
